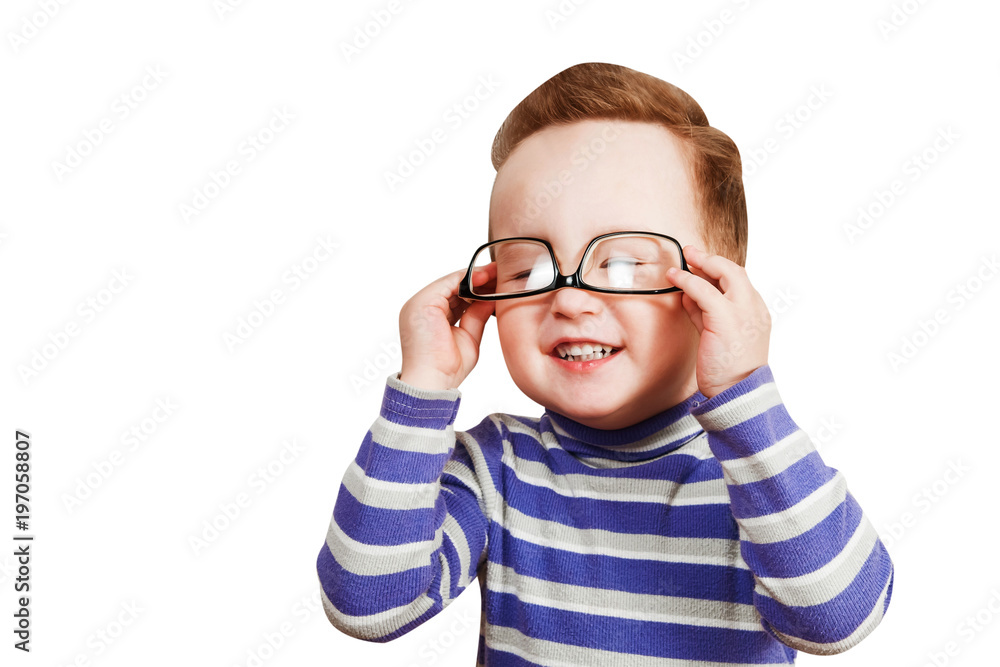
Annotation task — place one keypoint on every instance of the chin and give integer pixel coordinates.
(582, 403)
(585, 411)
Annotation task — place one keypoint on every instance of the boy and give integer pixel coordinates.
(664, 509)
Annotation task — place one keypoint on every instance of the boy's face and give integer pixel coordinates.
(614, 176)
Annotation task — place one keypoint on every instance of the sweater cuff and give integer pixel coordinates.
(749, 418)
(405, 404)
(736, 404)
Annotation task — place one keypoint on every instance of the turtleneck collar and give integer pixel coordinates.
(652, 437)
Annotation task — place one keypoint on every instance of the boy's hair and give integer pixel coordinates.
(605, 91)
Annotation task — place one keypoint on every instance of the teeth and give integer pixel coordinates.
(583, 351)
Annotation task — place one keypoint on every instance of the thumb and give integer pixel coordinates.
(474, 319)
(693, 311)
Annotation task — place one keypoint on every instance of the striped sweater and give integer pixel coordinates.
(710, 533)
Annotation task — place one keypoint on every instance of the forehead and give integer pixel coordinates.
(570, 183)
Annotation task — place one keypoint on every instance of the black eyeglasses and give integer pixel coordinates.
(617, 263)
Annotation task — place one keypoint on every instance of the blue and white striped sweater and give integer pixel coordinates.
(711, 533)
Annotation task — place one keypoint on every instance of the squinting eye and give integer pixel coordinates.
(622, 260)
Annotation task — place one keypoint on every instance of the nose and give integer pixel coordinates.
(573, 302)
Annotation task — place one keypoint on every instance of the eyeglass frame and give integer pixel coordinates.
(561, 280)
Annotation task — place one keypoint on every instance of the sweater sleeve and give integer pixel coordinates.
(823, 578)
(408, 531)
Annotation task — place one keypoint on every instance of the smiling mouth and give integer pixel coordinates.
(584, 352)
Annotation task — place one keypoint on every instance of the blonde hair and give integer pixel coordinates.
(614, 92)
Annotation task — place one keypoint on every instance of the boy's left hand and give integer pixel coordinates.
(730, 315)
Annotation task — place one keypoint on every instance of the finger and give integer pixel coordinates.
(484, 272)
(704, 276)
(705, 295)
(444, 288)
(481, 276)
(456, 310)
(715, 267)
(447, 286)
(453, 277)
(456, 306)
(484, 278)
(475, 317)
(693, 311)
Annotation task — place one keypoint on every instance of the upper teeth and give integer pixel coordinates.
(581, 349)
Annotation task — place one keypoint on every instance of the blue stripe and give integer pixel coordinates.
(675, 467)
(778, 493)
(837, 618)
(753, 435)
(692, 580)
(395, 465)
(400, 408)
(360, 595)
(628, 517)
(385, 527)
(772, 559)
(623, 635)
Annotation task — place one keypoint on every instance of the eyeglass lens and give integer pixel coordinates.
(625, 262)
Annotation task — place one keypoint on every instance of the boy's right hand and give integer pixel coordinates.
(437, 354)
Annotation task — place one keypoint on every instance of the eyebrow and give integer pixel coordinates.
(601, 232)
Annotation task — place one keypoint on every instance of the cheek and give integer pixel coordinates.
(517, 331)
(655, 318)
(510, 328)
(514, 317)
(670, 308)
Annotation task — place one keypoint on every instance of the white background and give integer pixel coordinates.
(301, 374)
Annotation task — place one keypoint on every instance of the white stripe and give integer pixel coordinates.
(454, 531)
(369, 559)
(412, 438)
(556, 654)
(444, 590)
(742, 408)
(827, 582)
(575, 487)
(465, 475)
(374, 626)
(771, 461)
(580, 485)
(478, 477)
(503, 579)
(663, 549)
(722, 499)
(697, 448)
(832, 648)
(798, 518)
(389, 495)
(585, 608)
